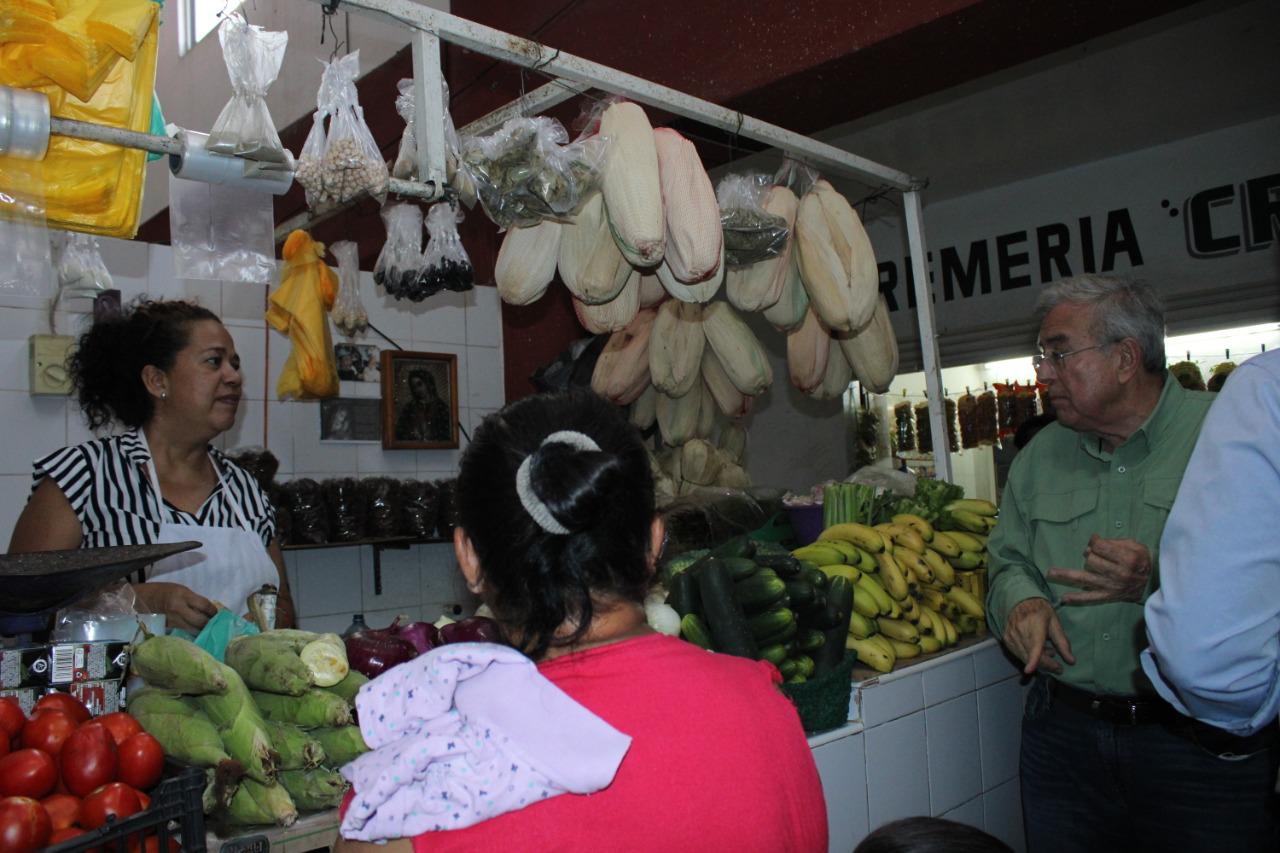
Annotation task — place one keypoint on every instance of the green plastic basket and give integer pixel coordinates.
(823, 702)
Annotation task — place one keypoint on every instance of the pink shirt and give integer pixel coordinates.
(718, 761)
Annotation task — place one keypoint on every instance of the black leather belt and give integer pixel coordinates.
(1121, 710)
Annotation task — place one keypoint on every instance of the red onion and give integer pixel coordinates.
(373, 651)
(473, 629)
(422, 635)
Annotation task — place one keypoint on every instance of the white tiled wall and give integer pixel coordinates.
(937, 739)
(329, 585)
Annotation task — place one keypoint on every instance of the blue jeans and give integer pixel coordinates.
(1093, 786)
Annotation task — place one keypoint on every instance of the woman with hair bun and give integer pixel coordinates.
(558, 534)
(168, 372)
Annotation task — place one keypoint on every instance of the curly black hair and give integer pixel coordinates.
(106, 365)
(535, 581)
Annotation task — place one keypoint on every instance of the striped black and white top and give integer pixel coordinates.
(106, 483)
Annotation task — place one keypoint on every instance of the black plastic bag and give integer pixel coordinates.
(419, 509)
(383, 510)
(346, 511)
(309, 518)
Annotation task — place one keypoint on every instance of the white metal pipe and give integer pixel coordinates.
(429, 108)
(914, 215)
(530, 54)
(396, 186)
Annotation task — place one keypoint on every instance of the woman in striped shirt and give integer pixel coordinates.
(167, 371)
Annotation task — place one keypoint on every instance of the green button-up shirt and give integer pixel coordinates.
(1063, 488)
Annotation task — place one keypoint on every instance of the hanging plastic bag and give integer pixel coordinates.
(310, 171)
(406, 163)
(446, 264)
(307, 291)
(352, 162)
(400, 262)
(78, 262)
(24, 240)
(348, 313)
(795, 176)
(244, 127)
(751, 234)
(221, 233)
(528, 171)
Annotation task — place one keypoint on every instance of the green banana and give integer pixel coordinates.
(819, 553)
(965, 601)
(943, 572)
(929, 645)
(968, 541)
(967, 560)
(864, 602)
(848, 553)
(945, 545)
(977, 506)
(862, 626)
(969, 521)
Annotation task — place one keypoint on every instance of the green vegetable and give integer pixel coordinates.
(723, 613)
(759, 591)
(243, 731)
(739, 568)
(774, 654)
(176, 664)
(267, 664)
(784, 566)
(341, 744)
(693, 629)
(188, 737)
(839, 606)
(312, 790)
(255, 803)
(682, 593)
(802, 593)
(770, 622)
(298, 750)
(678, 564)
(348, 687)
(314, 708)
(810, 640)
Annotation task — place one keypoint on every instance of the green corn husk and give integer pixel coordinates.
(243, 731)
(221, 784)
(293, 638)
(255, 803)
(270, 665)
(298, 750)
(157, 700)
(348, 687)
(174, 663)
(314, 708)
(341, 744)
(188, 737)
(312, 790)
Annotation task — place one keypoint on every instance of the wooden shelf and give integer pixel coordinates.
(398, 543)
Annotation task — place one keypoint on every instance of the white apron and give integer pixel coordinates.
(231, 562)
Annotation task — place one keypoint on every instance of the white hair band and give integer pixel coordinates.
(524, 487)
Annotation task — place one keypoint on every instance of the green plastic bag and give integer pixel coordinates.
(224, 627)
(157, 125)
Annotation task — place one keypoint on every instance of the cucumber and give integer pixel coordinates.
(804, 665)
(802, 594)
(809, 640)
(814, 575)
(788, 668)
(673, 566)
(739, 568)
(724, 615)
(797, 679)
(839, 606)
(784, 635)
(785, 565)
(770, 622)
(693, 629)
(682, 593)
(774, 654)
(760, 591)
(738, 546)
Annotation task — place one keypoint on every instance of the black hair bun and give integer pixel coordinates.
(575, 485)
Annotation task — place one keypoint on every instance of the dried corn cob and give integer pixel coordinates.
(731, 402)
(651, 291)
(644, 411)
(836, 378)
(701, 292)
(788, 312)
(837, 265)
(678, 416)
(706, 410)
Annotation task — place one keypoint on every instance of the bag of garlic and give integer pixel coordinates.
(448, 267)
(244, 127)
(400, 262)
(348, 314)
(352, 162)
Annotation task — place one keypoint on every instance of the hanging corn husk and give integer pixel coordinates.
(807, 349)
(789, 311)
(837, 376)
(760, 285)
(622, 370)
(613, 315)
(631, 184)
(695, 241)
(731, 402)
(837, 265)
(740, 354)
(590, 264)
(873, 351)
(527, 262)
(701, 292)
(675, 352)
(678, 417)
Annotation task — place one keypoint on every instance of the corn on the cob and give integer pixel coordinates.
(807, 349)
(731, 402)
(740, 354)
(590, 264)
(651, 291)
(760, 285)
(789, 311)
(527, 262)
(675, 347)
(644, 410)
(733, 476)
(699, 461)
(836, 378)
(694, 236)
(632, 187)
(733, 441)
(701, 292)
(837, 265)
(622, 371)
(873, 351)
(678, 417)
(613, 315)
(707, 411)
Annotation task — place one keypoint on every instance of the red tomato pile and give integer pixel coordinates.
(62, 773)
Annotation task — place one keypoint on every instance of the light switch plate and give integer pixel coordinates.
(48, 364)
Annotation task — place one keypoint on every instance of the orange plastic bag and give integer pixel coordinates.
(299, 308)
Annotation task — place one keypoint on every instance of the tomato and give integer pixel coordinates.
(144, 798)
(120, 724)
(113, 799)
(11, 717)
(4, 746)
(152, 845)
(141, 761)
(24, 825)
(48, 731)
(63, 809)
(27, 773)
(65, 703)
(61, 835)
(88, 759)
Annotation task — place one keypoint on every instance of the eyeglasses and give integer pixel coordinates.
(1057, 358)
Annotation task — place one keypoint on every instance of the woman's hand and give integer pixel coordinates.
(182, 608)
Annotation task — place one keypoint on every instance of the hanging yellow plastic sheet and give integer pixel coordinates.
(29, 21)
(89, 186)
(121, 24)
(299, 308)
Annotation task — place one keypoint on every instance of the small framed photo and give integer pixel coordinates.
(357, 362)
(350, 419)
(419, 400)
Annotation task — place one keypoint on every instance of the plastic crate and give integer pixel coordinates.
(823, 703)
(176, 812)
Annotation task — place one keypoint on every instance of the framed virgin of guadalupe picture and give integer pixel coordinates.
(419, 400)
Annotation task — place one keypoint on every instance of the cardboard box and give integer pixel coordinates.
(26, 696)
(24, 666)
(100, 697)
(73, 662)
